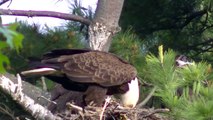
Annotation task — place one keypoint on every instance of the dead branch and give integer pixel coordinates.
(72, 106)
(44, 85)
(15, 91)
(3, 2)
(147, 98)
(31, 91)
(156, 111)
(34, 13)
(107, 101)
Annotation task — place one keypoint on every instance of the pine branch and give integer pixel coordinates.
(34, 13)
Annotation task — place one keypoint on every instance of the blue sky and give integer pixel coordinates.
(51, 5)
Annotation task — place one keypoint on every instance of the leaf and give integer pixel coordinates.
(13, 38)
(16, 36)
(194, 87)
(198, 88)
(8, 36)
(4, 59)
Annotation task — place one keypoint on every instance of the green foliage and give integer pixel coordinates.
(37, 43)
(4, 59)
(127, 45)
(186, 91)
(185, 26)
(150, 15)
(163, 70)
(77, 9)
(9, 38)
(193, 73)
(13, 38)
(199, 110)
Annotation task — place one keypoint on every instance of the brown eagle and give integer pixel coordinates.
(95, 73)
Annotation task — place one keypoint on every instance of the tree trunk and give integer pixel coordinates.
(104, 24)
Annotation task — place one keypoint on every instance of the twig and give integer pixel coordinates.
(34, 13)
(3, 2)
(147, 98)
(146, 84)
(44, 85)
(75, 107)
(107, 101)
(156, 111)
(4, 109)
(48, 100)
(10, 3)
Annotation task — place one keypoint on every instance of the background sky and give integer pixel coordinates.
(50, 5)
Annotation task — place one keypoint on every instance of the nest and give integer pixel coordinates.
(110, 111)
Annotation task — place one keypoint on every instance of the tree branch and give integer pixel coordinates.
(147, 98)
(205, 46)
(192, 16)
(30, 90)
(33, 13)
(15, 90)
(3, 1)
(177, 23)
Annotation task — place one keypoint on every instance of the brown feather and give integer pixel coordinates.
(95, 73)
(95, 95)
(95, 67)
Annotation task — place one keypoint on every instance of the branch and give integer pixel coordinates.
(205, 46)
(107, 101)
(192, 16)
(3, 1)
(177, 23)
(15, 91)
(31, 91)
(33, 13)
(206, 42)
(147, 98)
(156, 111)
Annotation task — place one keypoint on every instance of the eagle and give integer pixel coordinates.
(93, 72)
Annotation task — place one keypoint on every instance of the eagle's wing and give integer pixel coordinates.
(94, 67)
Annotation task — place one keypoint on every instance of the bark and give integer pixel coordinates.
(16, 92)
(105, 24)
(40, 96)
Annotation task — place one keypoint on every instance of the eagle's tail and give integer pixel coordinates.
(39, 71)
